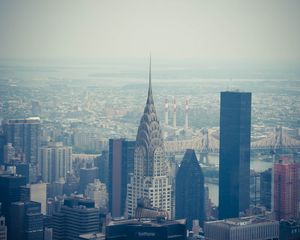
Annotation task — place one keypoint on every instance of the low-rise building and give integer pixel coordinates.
(246, 228)
(134, 229)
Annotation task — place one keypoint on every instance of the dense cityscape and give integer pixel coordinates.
(149, 120)
(74, 147)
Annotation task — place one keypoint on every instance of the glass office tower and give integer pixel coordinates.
(234, 173)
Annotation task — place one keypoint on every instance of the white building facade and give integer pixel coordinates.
(247, 228)
(97, 191)
(55, 160)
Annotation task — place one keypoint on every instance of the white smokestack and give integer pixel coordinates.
(174, 113)
(166, 112)
(186, 126)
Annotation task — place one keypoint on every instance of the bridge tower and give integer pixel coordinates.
(205, 143)
(277, 149)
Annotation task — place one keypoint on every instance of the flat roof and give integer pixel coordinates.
(150, 222)
(232, 222)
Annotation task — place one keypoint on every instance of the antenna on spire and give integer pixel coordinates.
(150, 84)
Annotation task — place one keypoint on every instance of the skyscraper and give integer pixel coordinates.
(266, 188)
(121, 157)
(27, 221)
(102, 163)
(286, 189)
(149, 179)
(77, 216)
(24, 134)
(21, 168)
(36, 108)
(97, 192)
(2, 144)
(87, 175)
(234, 173)
(128, 147)
(71, 185)
(38, 193)
(3, 228)
(17, 231)
(55, 161)
(115, 177)
(33, 221)
(189, 191)
(10, 191)
(25, 193)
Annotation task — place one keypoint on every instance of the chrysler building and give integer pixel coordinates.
(149, 180)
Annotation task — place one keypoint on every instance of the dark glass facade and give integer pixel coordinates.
(27, 221)
(17, 210)
(266, 188)
(121, 158)
(189, 191)
(2, 143)
(10, 191)
(87, 175)
(289, 230)
(234, 173)
(33, 221)
(149, 230)
(102, 163)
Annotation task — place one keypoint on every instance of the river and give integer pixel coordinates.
(256, 164)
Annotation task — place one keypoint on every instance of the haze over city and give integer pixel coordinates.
(151, 120)
(250, 31)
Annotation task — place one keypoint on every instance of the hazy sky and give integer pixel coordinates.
(226, 30)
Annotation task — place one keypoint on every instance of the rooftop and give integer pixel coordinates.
(92, 236)
(156, 223)
(233, 222)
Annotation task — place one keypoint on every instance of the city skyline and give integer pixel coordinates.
(149, 192)
(200, 141)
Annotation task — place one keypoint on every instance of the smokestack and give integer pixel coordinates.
(186, 126)
(174, 112)
(166, 112)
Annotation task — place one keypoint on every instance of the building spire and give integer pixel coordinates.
(150, 97)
